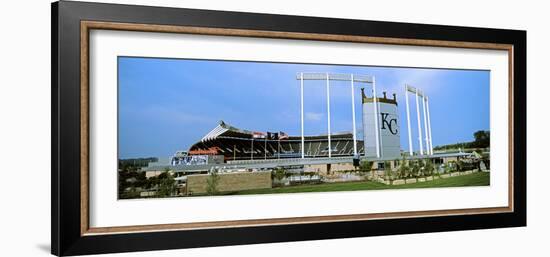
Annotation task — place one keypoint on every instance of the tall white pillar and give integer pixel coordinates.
(429, 126)
(425, 125)
(302, 110)
(328, 117)
(363, 123)
(419, 126)
(408, 121)
(376, 115)
(353, 118)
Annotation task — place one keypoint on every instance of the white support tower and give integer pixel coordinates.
(408, 121)
(353, 117)
(328, 117)
(425, 126)
(301, 112)
(426, 118)
(418, 123)
(376, 115)
(429, 125)
(328, 77)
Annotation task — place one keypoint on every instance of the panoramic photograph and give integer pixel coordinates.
(203, 128)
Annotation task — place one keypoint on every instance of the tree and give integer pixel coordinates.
(166, 184)
(451, 166)
(460, 165)
(130, 180)
(212, 183)
(365, 166)
(487, 161)
(403, 170)
(482, 139)
(278, 174)
(447, 168)
(415, 169)
(387, 169)
(429, 168)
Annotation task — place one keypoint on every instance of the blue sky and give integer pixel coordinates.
(168, 104)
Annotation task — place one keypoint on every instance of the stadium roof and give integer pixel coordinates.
(226, 130)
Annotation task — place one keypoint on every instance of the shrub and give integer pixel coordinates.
(212, 183)
(365, 166)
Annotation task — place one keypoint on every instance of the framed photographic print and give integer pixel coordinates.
(178, 128)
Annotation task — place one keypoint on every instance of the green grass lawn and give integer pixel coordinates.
(475, 179)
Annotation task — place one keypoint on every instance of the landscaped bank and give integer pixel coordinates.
(473, 179)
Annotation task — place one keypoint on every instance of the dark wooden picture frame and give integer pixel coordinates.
(71, 23)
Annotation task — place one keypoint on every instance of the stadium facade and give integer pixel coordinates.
(239, 144)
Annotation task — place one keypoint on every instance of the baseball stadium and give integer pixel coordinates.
(246, 160)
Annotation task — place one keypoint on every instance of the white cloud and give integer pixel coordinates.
(175, 115)
(314, 116)
(428, 80)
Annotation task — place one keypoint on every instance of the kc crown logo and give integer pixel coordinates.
(391, 124)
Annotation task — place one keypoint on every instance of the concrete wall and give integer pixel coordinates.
(449, 159)
(323, 168)
(154, 173)
(196, 184)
